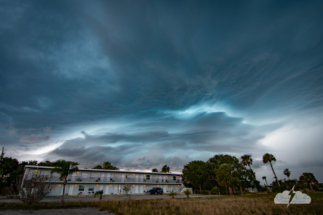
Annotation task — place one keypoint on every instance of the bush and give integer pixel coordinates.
(215, 190)
(33, 189)
(187, 192)
(172, 193)
(6, 191)
(262, 189)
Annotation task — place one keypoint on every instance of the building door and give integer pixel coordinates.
(70, 190)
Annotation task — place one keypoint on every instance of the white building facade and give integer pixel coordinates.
(88, 181)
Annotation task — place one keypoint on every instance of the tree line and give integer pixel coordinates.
(227, 174)
(220, 173)
(165, 169)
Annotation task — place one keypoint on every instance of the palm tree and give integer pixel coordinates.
(247, 161)
(308, 178)
(64, 168)
(265, 178)
(165, 169)
(99, 193)
(287, 173)
(270, 158)
(154, 170)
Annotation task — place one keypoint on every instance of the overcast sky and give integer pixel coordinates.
(147, 83)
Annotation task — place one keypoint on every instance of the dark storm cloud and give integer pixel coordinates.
(206, 133)
(257, 164)
(311, 163)
(90, 65)
(34, 138)
(140, 67)
(119, 156)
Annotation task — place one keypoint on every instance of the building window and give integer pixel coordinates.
(148, 177)
(81, 188)
(174, 178)
(91, 188)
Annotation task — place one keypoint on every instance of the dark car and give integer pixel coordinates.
(156, 190)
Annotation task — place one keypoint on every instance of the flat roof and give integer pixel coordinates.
(106, 170)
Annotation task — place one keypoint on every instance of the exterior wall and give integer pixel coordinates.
(71, 189)
(148, 187)
(56, 191)
(141, 188)
(109, 182)
(114, 189)
(108, 189)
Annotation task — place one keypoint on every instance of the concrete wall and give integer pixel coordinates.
(71, 189)
(56, 191)
(108, 189)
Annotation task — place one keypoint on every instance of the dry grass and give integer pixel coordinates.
(200, 206)
(247, 204)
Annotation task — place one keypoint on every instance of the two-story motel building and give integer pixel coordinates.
(88, 181)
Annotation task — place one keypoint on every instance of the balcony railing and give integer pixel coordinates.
(113, 180)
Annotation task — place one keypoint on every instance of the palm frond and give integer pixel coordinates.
(98, 193)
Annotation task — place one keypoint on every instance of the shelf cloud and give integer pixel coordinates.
(143, 84)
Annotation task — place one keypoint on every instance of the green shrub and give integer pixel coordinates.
(215, 190)
(187, 192)
(172, 193)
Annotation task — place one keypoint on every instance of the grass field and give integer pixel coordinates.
(247, 204)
